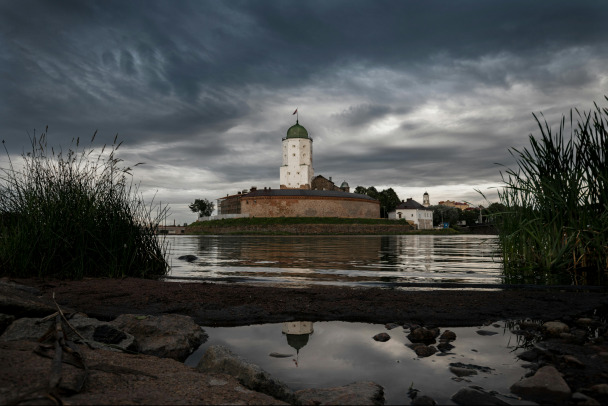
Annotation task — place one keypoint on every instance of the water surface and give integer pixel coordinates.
(341, 260)
(338, 353)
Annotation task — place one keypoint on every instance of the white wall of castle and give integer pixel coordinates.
(297, 171)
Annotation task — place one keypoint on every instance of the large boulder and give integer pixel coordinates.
(546, 385)
(168, 336)
(99, 334)
(219, 359)
(356, 393)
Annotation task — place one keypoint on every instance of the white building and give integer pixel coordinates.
(414, 212)
(297, 171)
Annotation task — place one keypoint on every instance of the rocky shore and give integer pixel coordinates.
(133, 334)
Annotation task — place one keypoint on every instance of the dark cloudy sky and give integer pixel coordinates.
(414, 95)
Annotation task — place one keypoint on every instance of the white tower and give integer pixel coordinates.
(425, 200)
(297, 170)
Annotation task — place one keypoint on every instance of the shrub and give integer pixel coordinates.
(74, 215)
(554, 227)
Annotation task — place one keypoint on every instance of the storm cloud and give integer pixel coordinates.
(411, 95)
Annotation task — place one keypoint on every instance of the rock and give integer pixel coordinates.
(444, 346)
(555, 328)
(423, 335)
(93, 330)
(475, 395)
(582, 399)
(423, 401)
(5, 321)
(528, 355)
(584, 321)
(572, 360)
(471, 366)
(458, 371)
(356, 393)
(423, 350)
(601, 388)
(486, 333)
(391, 326)
(168, 336)
(26, 329)
(546, 385)
(447, 335)
(219, 359)
(382, 337)
(21, 301)
(188, 258)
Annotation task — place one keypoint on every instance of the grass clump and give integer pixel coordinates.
(554, 228)
(73, 215)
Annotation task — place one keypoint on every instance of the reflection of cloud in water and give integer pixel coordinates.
(345, 259)
(339, 353)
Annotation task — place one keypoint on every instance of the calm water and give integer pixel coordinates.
(344, 260)
(338, 353)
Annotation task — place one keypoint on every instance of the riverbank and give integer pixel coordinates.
(215, 304)
(235, 304)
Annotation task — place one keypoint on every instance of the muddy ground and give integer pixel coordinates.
(238, 304)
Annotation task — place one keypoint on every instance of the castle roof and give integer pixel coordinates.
(297, 131)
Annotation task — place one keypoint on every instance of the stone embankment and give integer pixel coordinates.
(49, 353)
(304, 229)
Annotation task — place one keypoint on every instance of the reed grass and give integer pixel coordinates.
(76, 214)
(555, 225)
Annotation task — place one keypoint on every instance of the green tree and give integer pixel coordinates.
(468, 216)
(444, 214)
(361, 190)
(202, 206)
(388, 201)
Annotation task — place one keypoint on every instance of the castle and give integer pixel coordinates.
(300, 192)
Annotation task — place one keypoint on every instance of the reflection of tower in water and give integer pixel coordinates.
(297, 334)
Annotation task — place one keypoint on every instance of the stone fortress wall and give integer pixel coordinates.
(309, 206)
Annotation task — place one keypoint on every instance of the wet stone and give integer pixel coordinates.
(382, 337)
(445, 347)
(486, 333)
(447, 335)
(458, 371)
(471, 366)
(423, 401)
(423, 335)
(390, 326)
(475, 395)
(188, 258)
(555, 328)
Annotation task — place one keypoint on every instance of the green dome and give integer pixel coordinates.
(297, 131)
(344, 184)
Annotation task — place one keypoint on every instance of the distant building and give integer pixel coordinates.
(413, 212)
(458, 205)
(425, 200)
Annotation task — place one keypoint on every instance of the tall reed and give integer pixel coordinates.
(76, 214)
(555, 225)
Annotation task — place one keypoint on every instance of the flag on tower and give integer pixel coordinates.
(295, 112)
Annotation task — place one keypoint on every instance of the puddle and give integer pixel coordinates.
(326, 354)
